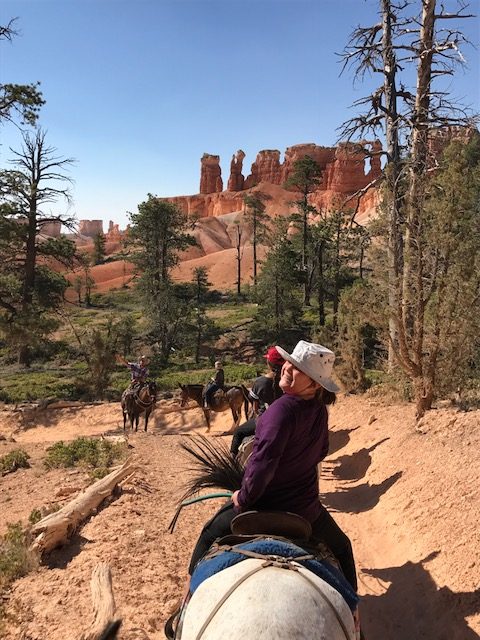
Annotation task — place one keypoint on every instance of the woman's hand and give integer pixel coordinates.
(235, 499)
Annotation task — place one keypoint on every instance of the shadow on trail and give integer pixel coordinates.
(339, 439)
(360, 498)
(354, 466)
(413, 607)
(60, 558)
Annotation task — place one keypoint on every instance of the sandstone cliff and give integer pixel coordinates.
(346, 169)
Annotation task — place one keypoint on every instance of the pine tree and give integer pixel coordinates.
(98, 248)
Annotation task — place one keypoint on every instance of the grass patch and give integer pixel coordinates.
(232, 314)
(234, 374)
(15, 558)
(16, 459)
(93, 454)
(26, 386)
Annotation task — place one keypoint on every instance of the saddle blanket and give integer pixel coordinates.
(269, 546)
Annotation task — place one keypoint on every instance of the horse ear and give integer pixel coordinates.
(180, 385)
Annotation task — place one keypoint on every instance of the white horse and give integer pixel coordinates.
(248, 601)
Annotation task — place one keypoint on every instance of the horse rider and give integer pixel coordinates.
(291, 439)
(138, 371)
(265, 390)
(215, 383)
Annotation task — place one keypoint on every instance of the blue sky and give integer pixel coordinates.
(138, 90)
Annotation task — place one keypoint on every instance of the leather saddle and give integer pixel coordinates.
(271, 523)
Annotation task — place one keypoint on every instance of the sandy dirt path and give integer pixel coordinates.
(408, 497)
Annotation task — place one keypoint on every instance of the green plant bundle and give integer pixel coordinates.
(16, 459)
(15, 558)
(90, 453)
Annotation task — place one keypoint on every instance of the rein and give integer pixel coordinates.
(280, 563)
(142, 403)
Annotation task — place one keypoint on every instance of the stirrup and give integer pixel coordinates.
(169, 628)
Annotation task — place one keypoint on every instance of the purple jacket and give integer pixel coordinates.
(281, 475)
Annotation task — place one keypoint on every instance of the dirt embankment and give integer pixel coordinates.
(408, 497)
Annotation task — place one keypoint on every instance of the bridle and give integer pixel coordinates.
(281, 563)
(143, 403)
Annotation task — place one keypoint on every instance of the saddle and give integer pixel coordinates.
(271, 523)
(245, 450)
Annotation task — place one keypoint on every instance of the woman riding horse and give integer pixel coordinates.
(291, 440)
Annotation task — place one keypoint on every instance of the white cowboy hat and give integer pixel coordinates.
(315, 360)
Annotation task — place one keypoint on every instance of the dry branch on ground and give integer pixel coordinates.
(56, 528)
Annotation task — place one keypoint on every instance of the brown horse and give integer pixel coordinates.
(233, 398)
(138, 401)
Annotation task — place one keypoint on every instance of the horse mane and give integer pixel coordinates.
(212, 466)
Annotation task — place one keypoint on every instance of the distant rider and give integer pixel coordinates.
(216, 383)
(138, 371)
(264, 391)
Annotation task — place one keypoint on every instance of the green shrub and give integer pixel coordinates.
(234, 374)
(15, 558)
(36, 385)
(37, 514)
(88, 452)
(16, 459)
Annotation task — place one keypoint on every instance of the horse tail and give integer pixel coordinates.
(212, 466)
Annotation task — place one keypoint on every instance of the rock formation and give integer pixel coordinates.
(323, 156)
(113, 234)
(266, 168)
(347, 173)
(210, 174)
(346, 169)
(236, 179)
(51, 229)
(90, 228)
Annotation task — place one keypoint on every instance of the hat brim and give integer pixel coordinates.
(326, 383)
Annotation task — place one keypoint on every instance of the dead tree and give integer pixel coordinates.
(399, 40)
(56, 528)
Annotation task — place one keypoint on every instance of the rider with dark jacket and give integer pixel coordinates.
(264, 391)
(216, 383)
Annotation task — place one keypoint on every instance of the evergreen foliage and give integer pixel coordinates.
(29, 288)
(159, 231)
(18, 101)
(98, 248)
(280, 307)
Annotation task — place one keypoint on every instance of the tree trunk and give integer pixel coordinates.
(321, 288)
(102, 599)
(412, 287)
(255, 253)
(424, 393)
(395, 239)
(56, 528)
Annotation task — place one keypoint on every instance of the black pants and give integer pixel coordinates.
(244, 430)
(324, 529)
(211, 389)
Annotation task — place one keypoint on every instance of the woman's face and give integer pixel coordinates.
(295, 382)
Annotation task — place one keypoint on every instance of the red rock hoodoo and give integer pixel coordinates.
(90, 228)
(51, 229)
(236, 180)
(210, 174)
(346, 169)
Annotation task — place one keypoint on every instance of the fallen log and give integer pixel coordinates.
(56, 528)
(103, 601)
